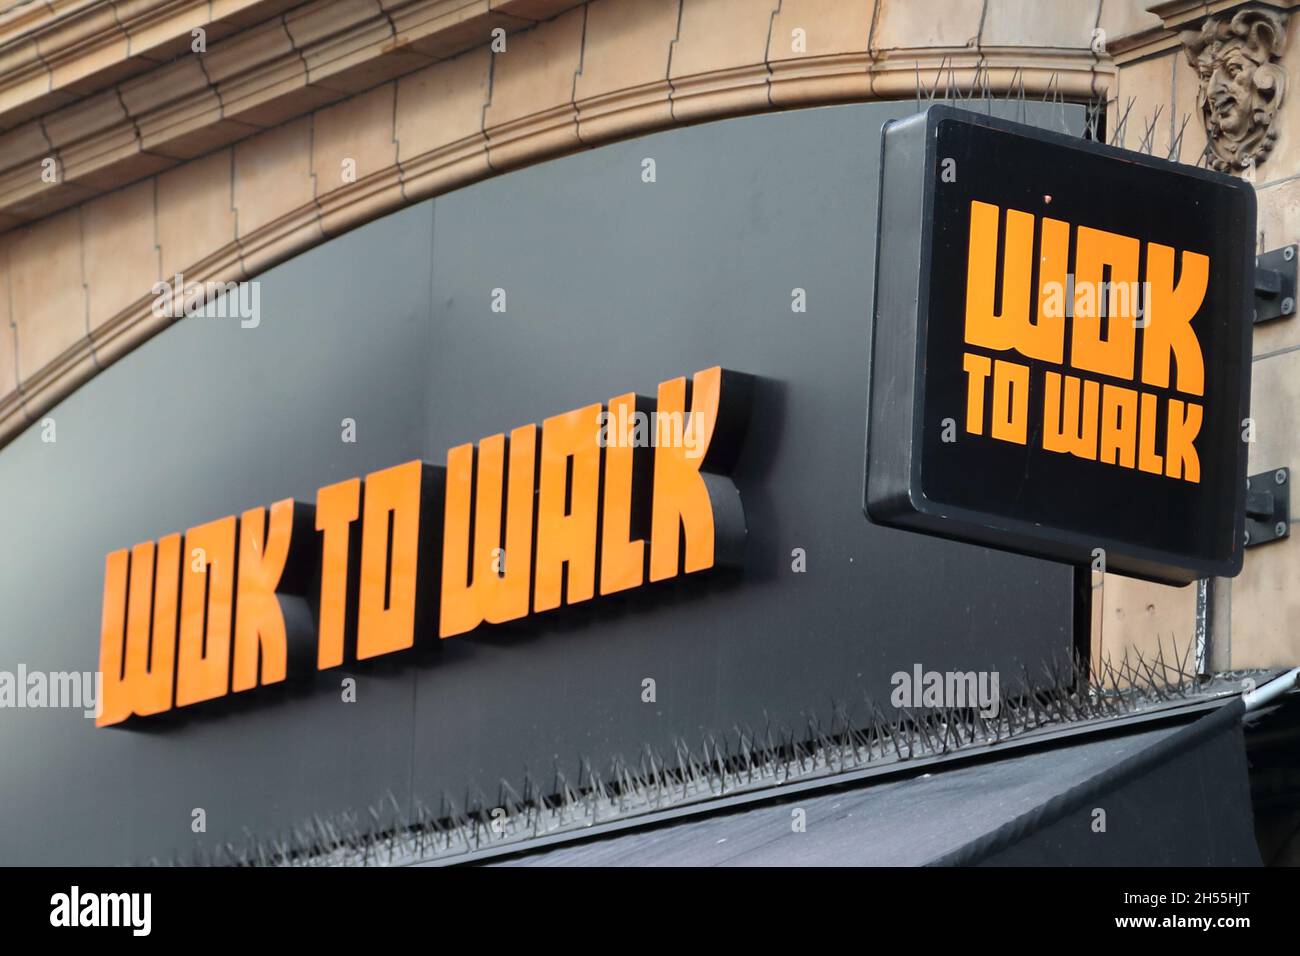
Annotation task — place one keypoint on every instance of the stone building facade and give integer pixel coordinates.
(144, 139)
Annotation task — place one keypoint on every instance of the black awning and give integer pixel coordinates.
(1177, 795)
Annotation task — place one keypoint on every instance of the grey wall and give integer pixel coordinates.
(613, 284)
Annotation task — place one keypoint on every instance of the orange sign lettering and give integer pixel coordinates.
(1091, 407)
(601, 499)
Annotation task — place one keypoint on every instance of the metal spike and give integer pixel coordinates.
(1147, 144)
(1118, 137)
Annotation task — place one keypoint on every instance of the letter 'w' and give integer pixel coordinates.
(494, 586)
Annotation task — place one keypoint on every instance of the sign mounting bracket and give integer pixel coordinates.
(1268, 507)
(1275, 284)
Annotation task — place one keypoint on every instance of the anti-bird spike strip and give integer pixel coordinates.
(736, 764)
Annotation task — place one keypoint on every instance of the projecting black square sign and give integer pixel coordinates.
(1061, 348)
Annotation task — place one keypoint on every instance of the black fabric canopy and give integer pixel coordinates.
(1176, 795)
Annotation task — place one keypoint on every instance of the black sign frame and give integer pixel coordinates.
(1057, 509)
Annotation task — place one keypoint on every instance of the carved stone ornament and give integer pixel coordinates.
(1241, 84)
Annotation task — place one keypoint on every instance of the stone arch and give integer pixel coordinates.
(220, 164)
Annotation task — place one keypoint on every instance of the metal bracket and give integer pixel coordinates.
(1268, 507)
(1275, 284)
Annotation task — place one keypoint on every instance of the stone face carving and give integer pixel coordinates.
(1241, 84)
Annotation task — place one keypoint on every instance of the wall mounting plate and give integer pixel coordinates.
(1268, 507)
(1275, 284)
